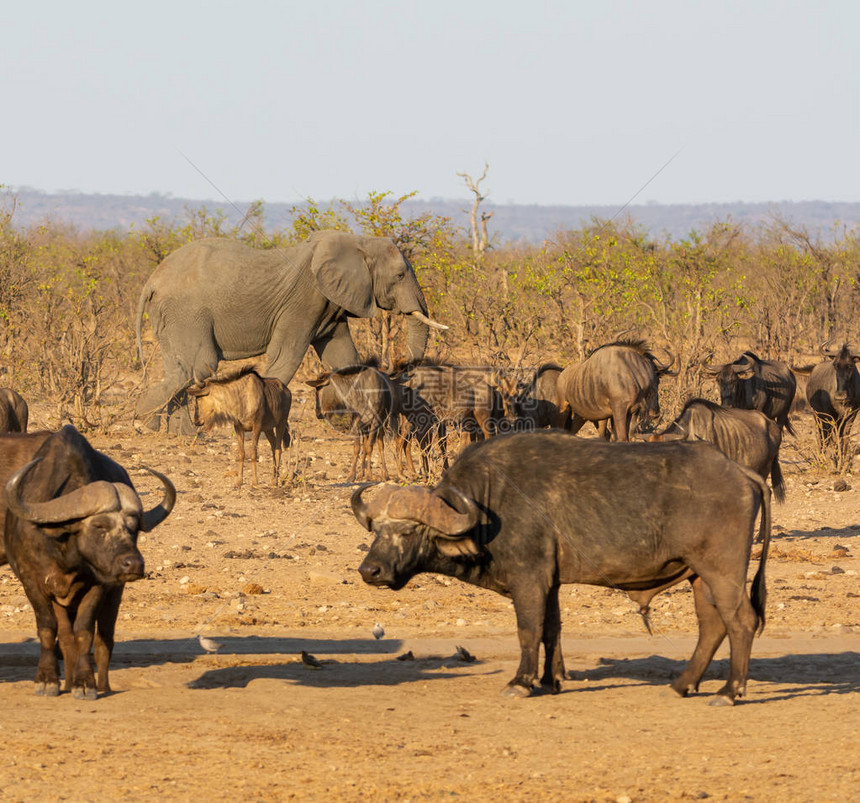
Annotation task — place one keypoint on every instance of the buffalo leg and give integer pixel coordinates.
(553, 672)
(104, 636)
(740, 620)
(712, 631)
(66, 640)
(47, 672)
(83, 679)
(530, 604)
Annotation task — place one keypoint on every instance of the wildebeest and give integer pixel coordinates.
(461, 397)
(536, 401)
(749, 437)
(361, 400)
(419, 425)
(251, 403)
(72, 518)
(750, 383)
(833, 392)
(615, 382)
(14, 412)
(521, 514)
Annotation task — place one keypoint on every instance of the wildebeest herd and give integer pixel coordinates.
(526, 506)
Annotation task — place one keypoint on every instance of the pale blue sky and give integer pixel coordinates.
(569, 102)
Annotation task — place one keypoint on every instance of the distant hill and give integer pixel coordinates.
(510, 222)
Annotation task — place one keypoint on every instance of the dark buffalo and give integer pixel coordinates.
(14, 412)
(749, 437)
(536, 401)
(749, 383)
(615, 382)
(71, 522)
(524, 513)
(833, 392)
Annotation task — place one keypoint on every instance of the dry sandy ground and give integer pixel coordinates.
(271, 573)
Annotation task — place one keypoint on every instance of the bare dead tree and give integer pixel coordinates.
(480, 237)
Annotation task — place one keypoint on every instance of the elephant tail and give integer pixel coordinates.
(145, 297)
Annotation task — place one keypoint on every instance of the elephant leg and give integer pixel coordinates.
(336, 349)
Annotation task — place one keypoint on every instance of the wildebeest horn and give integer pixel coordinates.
(664, 368)
(739, 367)
(416, 503)
(428, 321)
(826, 352)
(95, 497)
(152, 518)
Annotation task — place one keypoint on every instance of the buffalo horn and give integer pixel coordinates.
(419, 504)
(428, 321)
(360, 507)
(152, 518)
(95, 497)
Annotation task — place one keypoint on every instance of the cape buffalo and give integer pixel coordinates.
(523, 513)
(71, 522)
(750, 383)
(749, 437)
(616, 381)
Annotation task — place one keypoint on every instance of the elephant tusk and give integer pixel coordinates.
(424, 319)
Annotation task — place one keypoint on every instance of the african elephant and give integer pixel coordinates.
(218, 299)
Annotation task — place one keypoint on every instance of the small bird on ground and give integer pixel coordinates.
(208, 644)
(310, 662)
(407, 656)
(378, 631)
(464, 655)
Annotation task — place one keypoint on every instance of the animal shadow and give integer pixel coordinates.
(805, 675)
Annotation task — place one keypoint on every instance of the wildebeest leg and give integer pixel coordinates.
(274, 438)
(562, 419)
(356, 447)
(603, 429)
(104, 637)
(530, 604)
(577, 422)
(553, 672)
(621, 421)
(255, 440)
(380, 447)
(712, 631)
(240, 447)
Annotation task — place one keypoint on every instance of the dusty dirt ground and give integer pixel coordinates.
(269, 573)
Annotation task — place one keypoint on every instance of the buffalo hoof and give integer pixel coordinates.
(551, 685)
(516, 691)
(84, 693)
(47, 690)
(721, 700)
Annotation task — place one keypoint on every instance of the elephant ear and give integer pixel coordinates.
(341, 273)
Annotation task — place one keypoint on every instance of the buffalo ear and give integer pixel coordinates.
(457, 547)
(341, 273)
